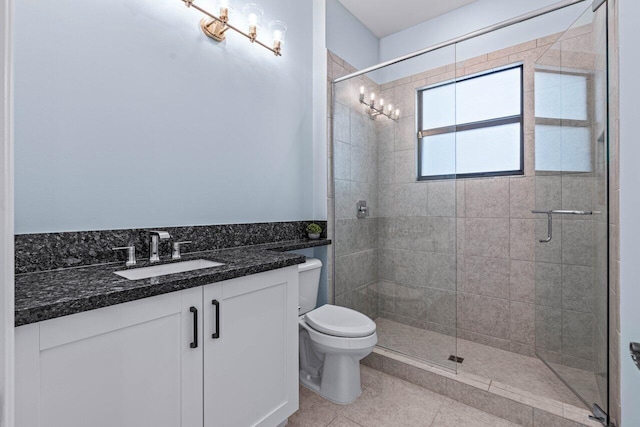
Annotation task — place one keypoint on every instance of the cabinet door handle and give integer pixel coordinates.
(216, 334)
(194, 344)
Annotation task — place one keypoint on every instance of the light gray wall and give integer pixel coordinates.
(349, 38)
(474, 16)
(320, 88)
(629, 208)
(126, 115)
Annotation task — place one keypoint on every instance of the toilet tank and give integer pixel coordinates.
(308, 283)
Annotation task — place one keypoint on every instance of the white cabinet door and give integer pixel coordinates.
(128, 365)
(251, 367)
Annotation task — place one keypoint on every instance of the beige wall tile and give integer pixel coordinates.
(485, 276)
(405, 134)
(487, 198)
(405, 100)
(522, 197)
(522, 281)
(522, 322)
(405, 166)
(522, 239)
(548, 40)
(513, 49)
(442, 198)
(483, 315)
(487, 237)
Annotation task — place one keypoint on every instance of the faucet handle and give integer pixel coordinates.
(131, 254)
(175, 254)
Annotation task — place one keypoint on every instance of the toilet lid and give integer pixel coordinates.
(340, 322)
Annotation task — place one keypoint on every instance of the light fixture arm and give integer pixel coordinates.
(374, 112)
(222, 25)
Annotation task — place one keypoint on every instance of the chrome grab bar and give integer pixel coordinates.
(550, 220)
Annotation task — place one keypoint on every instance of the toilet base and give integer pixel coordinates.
(316, 389)
(340, 380)
(332, 373)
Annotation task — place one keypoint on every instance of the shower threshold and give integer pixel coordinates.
(488, 379)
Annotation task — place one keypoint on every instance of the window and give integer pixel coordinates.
(472, 127)
(563, 125)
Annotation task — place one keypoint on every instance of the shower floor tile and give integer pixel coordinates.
(505, 367)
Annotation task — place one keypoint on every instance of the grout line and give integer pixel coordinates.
(332, 420)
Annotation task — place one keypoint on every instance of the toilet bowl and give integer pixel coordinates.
(333, 340)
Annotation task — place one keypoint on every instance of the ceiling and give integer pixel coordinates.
(384, 17)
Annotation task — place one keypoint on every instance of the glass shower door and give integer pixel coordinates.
(396, 260)
(571, 262)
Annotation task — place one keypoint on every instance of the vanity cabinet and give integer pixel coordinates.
(251, 354)
(155, 362)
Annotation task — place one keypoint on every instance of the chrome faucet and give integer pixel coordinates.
(154, 239)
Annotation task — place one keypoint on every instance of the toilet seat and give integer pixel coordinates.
(338, 344)
(340, 322)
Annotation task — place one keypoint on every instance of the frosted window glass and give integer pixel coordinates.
(565, 149)
(438, 155)
(488, 149)
(439, 107)
(561, 96)
(489, 97)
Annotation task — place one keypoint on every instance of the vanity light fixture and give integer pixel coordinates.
(215, 27)
(374, 110)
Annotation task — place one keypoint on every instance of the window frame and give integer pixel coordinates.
(500, 121)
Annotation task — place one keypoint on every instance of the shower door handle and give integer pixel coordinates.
(566, 212)
(549, 225)
(550, 220)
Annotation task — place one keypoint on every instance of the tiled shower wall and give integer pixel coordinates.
(476, 235)
(353, 162)
(468, 243)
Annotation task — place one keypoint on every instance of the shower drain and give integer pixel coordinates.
(456, 359)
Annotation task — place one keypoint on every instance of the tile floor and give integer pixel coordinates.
(515, 370)
(388, 401)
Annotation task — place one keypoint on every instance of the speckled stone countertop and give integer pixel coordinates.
(50, 294)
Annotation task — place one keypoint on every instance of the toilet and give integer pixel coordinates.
(333, 340)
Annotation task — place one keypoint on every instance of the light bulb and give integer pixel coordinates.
(390, 108)
(224, 5)
(397, 112)
(381, 102)
(225, 9)
(373, 96)
(278, 31)
(361, 90)
(254, 13)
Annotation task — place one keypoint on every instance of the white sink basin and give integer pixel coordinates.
(165, 269)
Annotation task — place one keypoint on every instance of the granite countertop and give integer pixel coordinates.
(50, 294)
